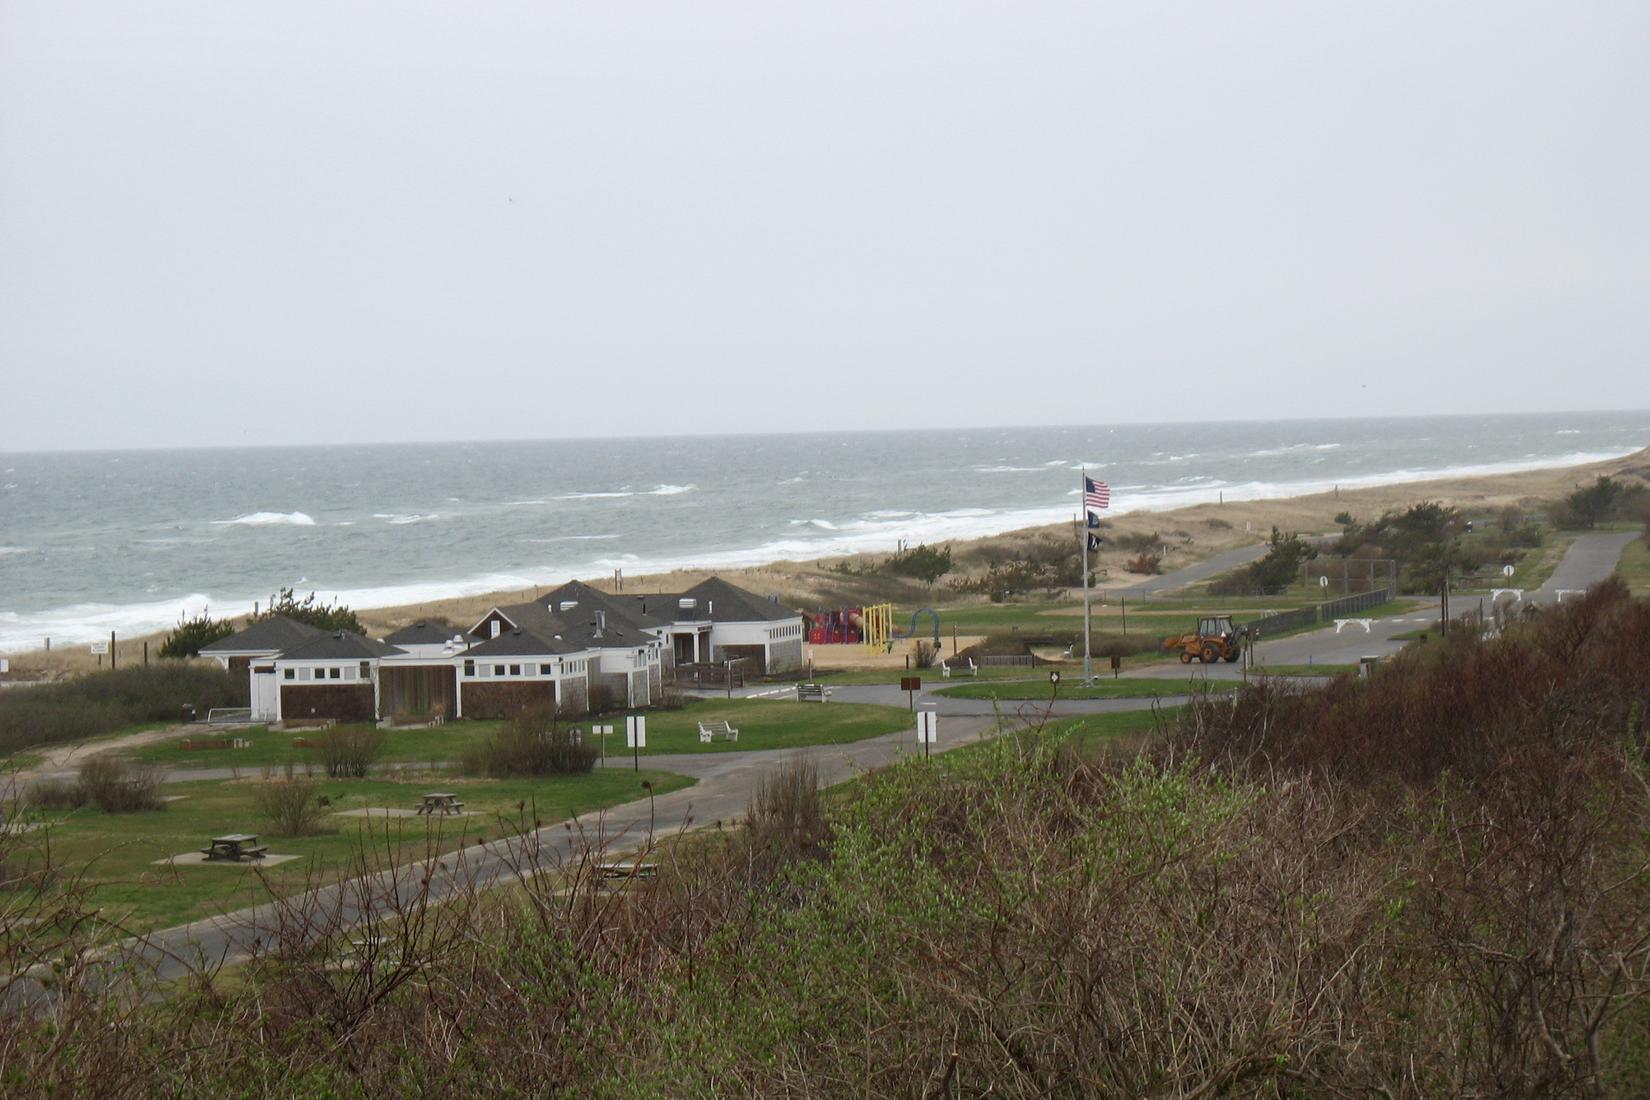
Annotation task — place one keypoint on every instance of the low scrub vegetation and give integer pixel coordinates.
(104, 702)
(1427, 883)
(1280, 568)
(1605, 500)
(532, 743)
(187, 638)
(348, 752)
(292, 803)
(117, 786)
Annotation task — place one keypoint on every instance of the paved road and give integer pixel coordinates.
(1191, 574)
(1590, 559)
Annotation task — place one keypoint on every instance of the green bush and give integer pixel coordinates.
(323, 616)
(926, 563)
(348, 752)
(190, 635)
(116, 786)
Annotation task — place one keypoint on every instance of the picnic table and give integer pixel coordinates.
(813, 693)
(441, 802)
(235, 848)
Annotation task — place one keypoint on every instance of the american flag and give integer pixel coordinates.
(1096, 494)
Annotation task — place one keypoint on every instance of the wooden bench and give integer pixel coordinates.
(813, 693)
(719, 730)
(235, 848)
(441, 803)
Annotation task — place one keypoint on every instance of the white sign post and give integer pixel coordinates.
(635, 738)
(928, 729)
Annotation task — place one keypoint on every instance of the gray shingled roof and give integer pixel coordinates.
(521, 643)
(722, 602)
(270, 635)
(338, 646)
(432, 632)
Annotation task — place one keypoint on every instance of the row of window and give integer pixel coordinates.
(329, 672)
(476, 669)
(794, 631)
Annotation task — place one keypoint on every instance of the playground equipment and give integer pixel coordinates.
(871, 626)
(1215, 640)
(877, 625)
(932, 615)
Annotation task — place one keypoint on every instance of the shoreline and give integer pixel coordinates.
(1187, 533)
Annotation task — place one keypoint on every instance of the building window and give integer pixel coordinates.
(495, 628)
(469, 668)
(498, 670)
(291, 674)
(366, 670)
(515, 670)
(544, 670)
(335, 674)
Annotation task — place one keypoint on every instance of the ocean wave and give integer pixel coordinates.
(598, 496)
(573, 538)
(14, 550)
(79, 623)
(396, 519)
(1290, 449)
(268, 519)
(669, 490)
(1008, 469)
(1568, 431)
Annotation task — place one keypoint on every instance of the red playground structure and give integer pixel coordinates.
(845, 626)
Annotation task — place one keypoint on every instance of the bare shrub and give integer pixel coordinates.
(1144, 563)
(787, 814)
(117, 786)
(291, 803)
(56, 794)
(531, 743)
(925, 655)
(349, 752)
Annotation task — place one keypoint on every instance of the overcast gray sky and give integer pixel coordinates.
(264, 223)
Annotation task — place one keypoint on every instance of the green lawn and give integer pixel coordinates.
(1070, 688)
(1634, 567)
(764, 724)
(274, 748)
(118, 851)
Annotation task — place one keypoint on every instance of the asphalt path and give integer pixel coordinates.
(724, 781)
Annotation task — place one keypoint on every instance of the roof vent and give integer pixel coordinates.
(601, 622)
(568, 605)
(687, 603)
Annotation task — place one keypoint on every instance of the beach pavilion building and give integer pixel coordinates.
(575, 648)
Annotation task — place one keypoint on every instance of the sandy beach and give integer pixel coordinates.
(1184, 535)
(1189, 534)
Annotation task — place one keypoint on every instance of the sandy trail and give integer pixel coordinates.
(56, 760)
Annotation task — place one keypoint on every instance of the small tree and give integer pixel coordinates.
(190, 635)
(926, 563)
(322, 616)
(531, 743)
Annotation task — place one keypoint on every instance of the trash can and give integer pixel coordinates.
(1366, 666)
(189, 712)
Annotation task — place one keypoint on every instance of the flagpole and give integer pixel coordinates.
(1083, 533)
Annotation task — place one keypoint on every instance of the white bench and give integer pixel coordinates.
(719, 730)
(1361, 622)
(945, 669)
(815, 693)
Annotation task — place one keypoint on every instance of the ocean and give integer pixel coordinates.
(128, 540)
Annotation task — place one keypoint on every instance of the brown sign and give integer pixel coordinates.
(910, 683)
